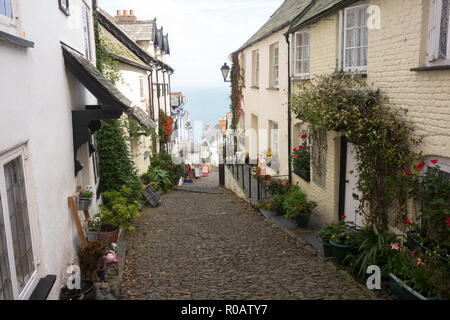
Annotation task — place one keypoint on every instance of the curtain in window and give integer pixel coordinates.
(356, 37)
(443, 37)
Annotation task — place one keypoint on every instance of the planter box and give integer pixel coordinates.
(340, 251)
(92, 234)
(83, 204)
(266, 213)
(413, 244)
(88, 291)
(304, 174)
(402, 291)
(109, 237)
(327, 250)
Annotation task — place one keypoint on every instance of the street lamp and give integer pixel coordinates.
(225, 72)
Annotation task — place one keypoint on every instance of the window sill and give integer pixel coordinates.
(16, 40)
(273, 88)
(300, 78)
(431, 68)
(254, 87)
(355, 74)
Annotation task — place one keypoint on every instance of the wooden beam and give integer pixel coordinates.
(76, 218)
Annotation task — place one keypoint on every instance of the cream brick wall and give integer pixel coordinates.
(394, 49)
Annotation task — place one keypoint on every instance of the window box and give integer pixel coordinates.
(302, 173)
(84, 203)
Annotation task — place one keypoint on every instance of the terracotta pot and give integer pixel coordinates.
(108, 236)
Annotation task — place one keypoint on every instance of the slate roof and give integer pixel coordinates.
(319, 9)
(140, 30)
(101, 88)
(119, 50)
(280, 19)
(109, 24)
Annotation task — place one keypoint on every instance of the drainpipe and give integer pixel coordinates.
(289, 119)
(150, 95)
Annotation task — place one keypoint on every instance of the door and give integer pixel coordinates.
(351, 180)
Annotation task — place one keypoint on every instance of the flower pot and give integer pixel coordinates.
(327, 249)
(108, 234)
(303, 220)
(340, 251)
(304, 174)
(402, 291)
(84, 203)
(88, 291)
(92, 234)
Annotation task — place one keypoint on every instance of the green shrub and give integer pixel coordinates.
(160, 178)
(296, 203)
(117, 210)
(277, 204)
(164, 161)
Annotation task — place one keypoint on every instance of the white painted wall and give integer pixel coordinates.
(37, 97)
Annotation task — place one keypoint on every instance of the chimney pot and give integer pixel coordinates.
(125, 12)
(131, 12)
(119, 12)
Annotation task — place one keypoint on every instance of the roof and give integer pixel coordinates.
(119, 50)
(101, 88)
(280, 19)
(319, 9)
(109, 24)
(143, 30)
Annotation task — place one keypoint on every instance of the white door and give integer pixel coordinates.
(351, 179)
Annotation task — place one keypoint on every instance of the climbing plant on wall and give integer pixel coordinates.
(237, 83)
(165, 126)
(115, 163)
(382, 137)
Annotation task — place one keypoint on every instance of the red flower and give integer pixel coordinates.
(351, 222)
(301, 206)
(343, 216)
(308, 148)
(300, 147)
(304, 136)
(420, 166)
(434, 161)
(447, 221)
(298, 157)
(295, 149)
(407, 221)
(407, 173)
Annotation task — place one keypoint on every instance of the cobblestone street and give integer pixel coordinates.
(211, 245)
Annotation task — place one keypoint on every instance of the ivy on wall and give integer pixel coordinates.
(115, 163)
(237, 83)
(383, 138)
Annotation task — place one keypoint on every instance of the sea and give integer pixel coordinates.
(206, 105)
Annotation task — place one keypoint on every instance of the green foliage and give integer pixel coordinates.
(277, 203)
(345, 234)
(296, 203)
(116, 166)
(146, 179)
(374, 249)
(165, 126)
(432, 190)
(161, 177)
(331, 229)
(164, 161)
(264, 205)
(117, 210)
(237, 83)
(90, 257)
(382, 138)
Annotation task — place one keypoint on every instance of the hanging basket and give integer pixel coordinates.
(83, 204)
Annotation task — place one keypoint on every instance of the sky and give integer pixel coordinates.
(202, 33)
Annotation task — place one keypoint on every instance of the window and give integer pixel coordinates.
(17, 266)
(355, 38)
(255, 68)
(142, 91)
(438, 32)
(87, 37)
(64, 6)
(274, 145)
(274, 59)
(7, 13)
(301, 54)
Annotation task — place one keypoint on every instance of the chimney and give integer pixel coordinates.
(125, 17)
(207, 127)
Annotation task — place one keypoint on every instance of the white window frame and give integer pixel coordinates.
(255, 68)
(343, 26)
(34, 278)
(87, 32)
(294, 55)
(142, 88)
(434, 35)
(7, 24)
(275, 65)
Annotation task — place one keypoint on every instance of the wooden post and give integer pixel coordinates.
(76, 218)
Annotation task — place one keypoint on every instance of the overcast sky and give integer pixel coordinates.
(202, 33)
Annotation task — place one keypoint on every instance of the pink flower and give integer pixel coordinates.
(447, 221)
(434, 161)
(413, 252)
(394, 246)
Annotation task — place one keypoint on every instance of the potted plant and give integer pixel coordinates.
(300, 159)
(277, 186)
(91, 259)
(93, 228)
(88, 291)
(343, 242)
(277, 204)
(325, 235)
(117, 212)
(297, 207)
(85, 199)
